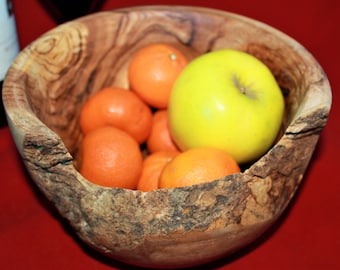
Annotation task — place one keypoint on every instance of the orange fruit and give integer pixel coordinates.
(196, 166)
(153, 165)
(111, 157)
(160, 138)
(152, 72)
(117, 107)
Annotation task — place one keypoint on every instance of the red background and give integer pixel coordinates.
(33, 236)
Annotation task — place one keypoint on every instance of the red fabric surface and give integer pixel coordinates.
(34, 236)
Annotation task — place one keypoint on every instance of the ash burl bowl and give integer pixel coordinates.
(51, 79)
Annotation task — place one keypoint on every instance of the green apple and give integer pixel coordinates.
(226, 99)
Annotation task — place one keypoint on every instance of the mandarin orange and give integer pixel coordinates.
(111, 157)
(160, 138)
(117, 107)
(152, 72)
(196, 166)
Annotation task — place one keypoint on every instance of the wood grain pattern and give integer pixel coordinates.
(53, 77)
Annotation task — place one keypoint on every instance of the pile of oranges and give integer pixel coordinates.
(127, 141)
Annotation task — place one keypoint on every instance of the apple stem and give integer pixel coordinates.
(243, 90)
(239, 85)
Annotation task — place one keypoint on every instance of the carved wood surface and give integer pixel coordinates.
(53, 77)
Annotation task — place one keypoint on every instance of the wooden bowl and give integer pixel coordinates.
(51, 79)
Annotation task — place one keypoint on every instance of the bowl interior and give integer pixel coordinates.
(76, 59)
